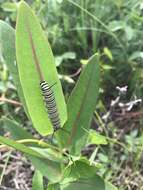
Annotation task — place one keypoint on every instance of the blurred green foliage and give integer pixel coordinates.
(114, 25)
(76, 30)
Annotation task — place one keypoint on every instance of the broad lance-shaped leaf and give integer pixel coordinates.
(32, 49)
(82, 175)
(47, 167)
(7, 48)
(94, 183)
(7, 45)
(20, 147)
(81, 106)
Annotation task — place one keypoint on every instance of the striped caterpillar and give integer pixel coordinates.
(51, 106)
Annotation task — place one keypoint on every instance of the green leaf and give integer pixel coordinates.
(15, 130)
(67, 55)
(95, 138)
(79, 169)
(20, 147)
(48, 168)
(37, 182)
(10, 7)
(108, 53)
(32, 47)
(81, 105)
(50, 154)
(129, 32)
(136, 55)
(7, 47)
(93, 183)
(55, 186)
(109, 186)
(103, 158)
(82, 175)
(116, 25)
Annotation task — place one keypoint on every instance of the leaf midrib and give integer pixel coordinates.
(74, 127)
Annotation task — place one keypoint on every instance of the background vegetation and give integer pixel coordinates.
(76, 30)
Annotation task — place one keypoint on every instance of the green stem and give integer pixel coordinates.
(38, 142)
(102, 124)
(119, 143)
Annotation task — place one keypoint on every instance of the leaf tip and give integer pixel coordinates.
(23, 4)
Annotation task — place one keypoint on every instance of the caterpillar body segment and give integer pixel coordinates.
(50, 103)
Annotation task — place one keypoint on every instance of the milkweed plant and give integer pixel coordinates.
(30, 61)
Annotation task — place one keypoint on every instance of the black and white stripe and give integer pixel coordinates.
(51, 106)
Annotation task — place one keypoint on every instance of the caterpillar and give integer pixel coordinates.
(47, 92)
(50, 104)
